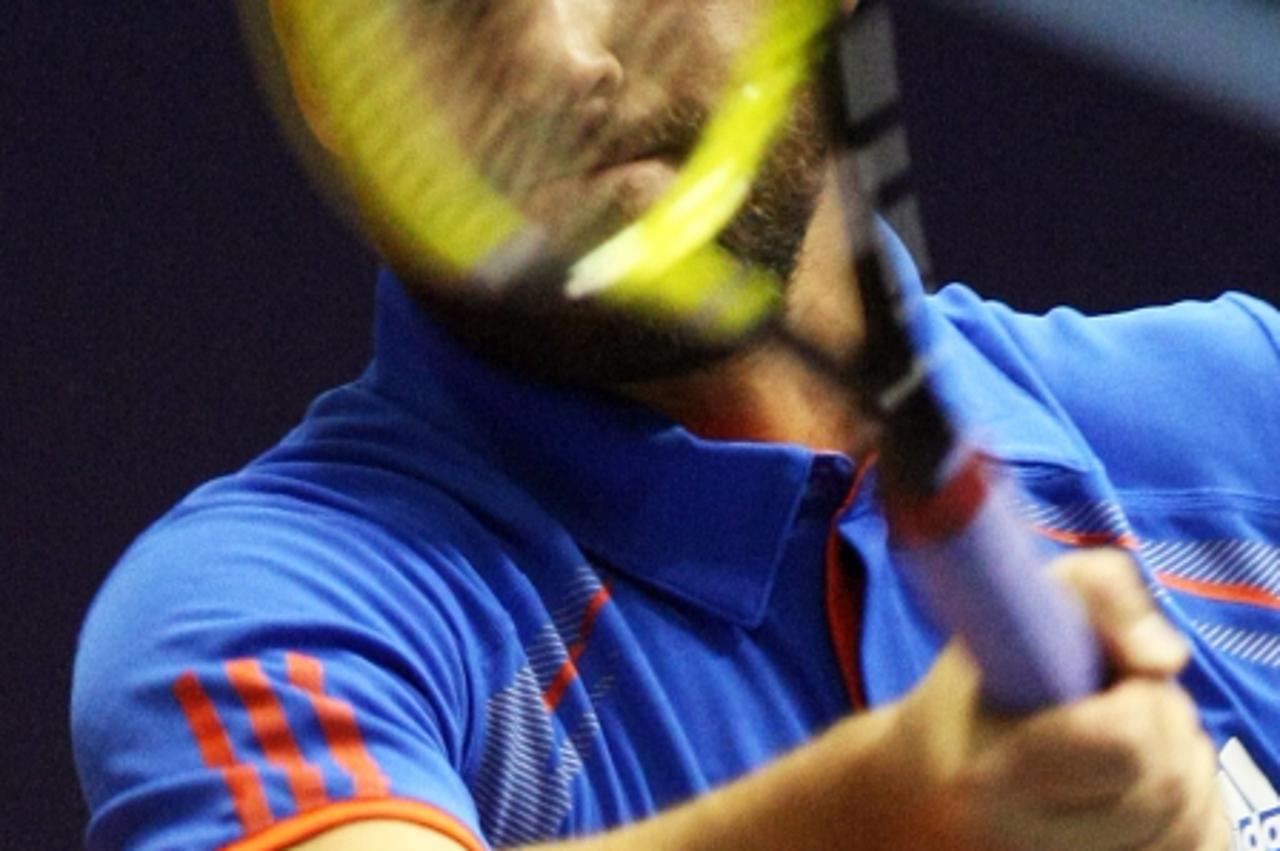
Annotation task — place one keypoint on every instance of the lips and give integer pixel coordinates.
(665, 156)
(656, 139)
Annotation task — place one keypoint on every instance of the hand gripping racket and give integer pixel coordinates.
(473, 139)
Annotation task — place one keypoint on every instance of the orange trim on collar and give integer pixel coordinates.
(845, 592)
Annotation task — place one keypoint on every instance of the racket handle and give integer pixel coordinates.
(982, 571)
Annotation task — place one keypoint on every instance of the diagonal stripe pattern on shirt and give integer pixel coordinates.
(1252, 646)
(529, 760)
(1220, 562)
(521, 791)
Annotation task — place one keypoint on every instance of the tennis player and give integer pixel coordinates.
(559, 578)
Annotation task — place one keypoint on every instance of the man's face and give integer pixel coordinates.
(583, 112)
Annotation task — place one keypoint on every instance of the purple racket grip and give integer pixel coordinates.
(982, 571)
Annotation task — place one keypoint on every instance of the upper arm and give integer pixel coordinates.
(248, 678)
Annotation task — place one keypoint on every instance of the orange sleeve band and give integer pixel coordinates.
(311, 824)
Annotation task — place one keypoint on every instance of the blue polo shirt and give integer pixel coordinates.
(512, 612)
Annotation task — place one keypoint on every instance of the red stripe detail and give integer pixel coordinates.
(1089, 539)
(845, 589)
(341, 729)
(569, 670)
(215, 749)
(1222, 591)
(271, 727)
(1226, 592)
(298, 829)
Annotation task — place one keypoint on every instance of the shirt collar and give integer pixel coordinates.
(705, 521)
(702, 520)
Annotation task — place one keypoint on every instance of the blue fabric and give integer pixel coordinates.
(551, 613)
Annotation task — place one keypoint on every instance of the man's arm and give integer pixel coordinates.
(1128, 768)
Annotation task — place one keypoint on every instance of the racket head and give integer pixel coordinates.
(468, 163)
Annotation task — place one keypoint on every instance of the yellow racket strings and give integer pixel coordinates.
(400, 154)
(429, 200)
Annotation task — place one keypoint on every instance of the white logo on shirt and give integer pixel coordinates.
(1252, 803)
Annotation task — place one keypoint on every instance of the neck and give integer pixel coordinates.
(767, 393)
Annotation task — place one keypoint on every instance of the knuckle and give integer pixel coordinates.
(1196, 828)
(1171, 794)
(1126, 740)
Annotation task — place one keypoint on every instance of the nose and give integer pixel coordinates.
(591, 69)
(565, 47)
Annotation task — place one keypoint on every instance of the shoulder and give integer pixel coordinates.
(1193, 381)
(300, 544)
(1172, 342)
(284, 595)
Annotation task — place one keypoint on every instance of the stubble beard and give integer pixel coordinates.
(586, 343)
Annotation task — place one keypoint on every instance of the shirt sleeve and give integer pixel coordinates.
(251, 676)
(1179, 406)
(1194, 381)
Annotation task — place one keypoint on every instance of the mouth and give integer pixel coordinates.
(654, 141)
(621, 169)
(657, 158)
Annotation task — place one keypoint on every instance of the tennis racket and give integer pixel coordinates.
(524, 151)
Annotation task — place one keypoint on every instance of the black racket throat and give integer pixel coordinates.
(890, 377)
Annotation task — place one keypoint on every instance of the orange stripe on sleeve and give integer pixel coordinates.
(341, 729)
(1088, 539)
(1221, 591)
(271, 727)
(300, 828)
(215, 749)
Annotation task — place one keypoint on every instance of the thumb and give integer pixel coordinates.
(1136, 636)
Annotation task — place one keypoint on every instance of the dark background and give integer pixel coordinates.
(173, 295)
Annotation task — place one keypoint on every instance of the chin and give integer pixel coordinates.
(580, 344)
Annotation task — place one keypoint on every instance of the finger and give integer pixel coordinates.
(1131, 769)
(1083, 755)
(1175, 803)
(1135, 634)
(1204, 825)
(1093, 753)
(1173, 810)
